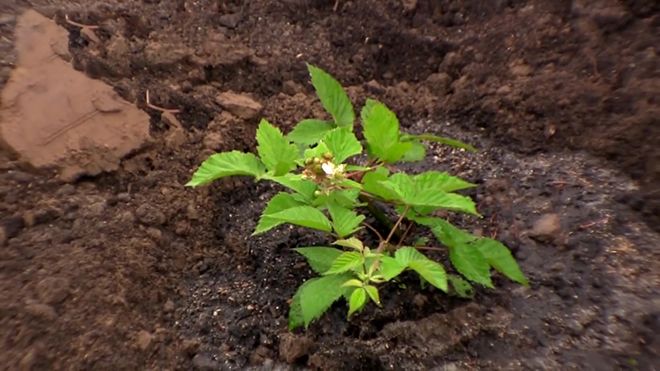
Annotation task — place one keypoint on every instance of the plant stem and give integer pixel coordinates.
(429, 248)
(369, 226)
(383, 244)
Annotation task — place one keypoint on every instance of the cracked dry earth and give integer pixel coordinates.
(108, 262)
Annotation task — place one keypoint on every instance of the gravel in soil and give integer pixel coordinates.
(131, 270)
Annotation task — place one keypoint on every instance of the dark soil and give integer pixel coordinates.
(131, 270)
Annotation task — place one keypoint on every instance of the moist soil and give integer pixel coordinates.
(131, 270)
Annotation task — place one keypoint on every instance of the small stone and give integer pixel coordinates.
(182, 228)
(439, 83)
(96, 209)
(53, 290)
(260, 355)
(204, 362)
(169, 306)
(149, 215)
(293, 347)
(42, 311)
(503, 90)
(546, 227)
(144, 339)
(126, 217)
(66, 190)
(213, 141)
(420, 300)
(230, 20)
(520, 69)
(409, 5)
(374, 87)
(240, 105)
(155, 234)
(190, 346)
(291, 88)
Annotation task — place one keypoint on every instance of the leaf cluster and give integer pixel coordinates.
(331, 177)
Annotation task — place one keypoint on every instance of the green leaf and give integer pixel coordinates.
(441, 182)
(471, 264)
(319, 258)
(279, 202)
(462, 288)
(344, 221)
(295, 311)
(304, 187)
(317, 295)
(351, 243)
(344, 197)
(311, 131)
(410, 192)
(317, 151)
(225, 164)
(391, 267)
(304, 216)
(358, 300)
(500, 258)
(274, 149)
(353, 283)
(342, 143)
(431, 271)
(447, 233)
(417, 152)
(345, 262)
(381, 130)
(372, 291)
(443, 140)
(407, 254)
(332, 96)
(371, 184)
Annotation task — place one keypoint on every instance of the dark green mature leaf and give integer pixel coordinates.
(467, 259)
(344, 221)
(225, 164)
(345, 262)
(358, 300)
(311, 131)
(500, 258)
(274, 149)
(320, 258)
(381, 130)
(447, 233)
(462, 288)
(342, 143)
(315, 296)
(390, 267)
(295, 182)
(279, 202)
(441, 182)
(304, 216)
(443, 140)
(332, 96)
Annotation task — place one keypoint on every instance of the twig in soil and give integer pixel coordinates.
(430, 248)
(168, 110)
(405, 234)
(86, 30)
(336, 6)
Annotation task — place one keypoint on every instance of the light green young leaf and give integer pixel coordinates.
(295, 182)
(353, 283)
(431, 271)
(317, 295)
(317, 151)
(443, 140)
(311, 131)
(500, 258)
(351, 243)
(462, 288)
(371, 184)
(344, 221)
(471, 264)
(319, 258)
(225, 164)
(381, 130)
(358, 300)
(274, 149)
(372, 291)
(342, 143)
(279, 202)
(345, 262)
(417, 152)
(390, 267)
(441, 182)
(332, 96)
(407, 254)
